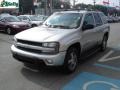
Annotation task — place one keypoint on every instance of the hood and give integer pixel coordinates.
(41, 34)
(17, 23)
(37, 22)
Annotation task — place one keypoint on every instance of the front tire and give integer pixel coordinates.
(71, 60)
(9, 31)
(34, 25)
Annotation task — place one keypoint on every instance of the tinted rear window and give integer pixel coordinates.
(98, 20)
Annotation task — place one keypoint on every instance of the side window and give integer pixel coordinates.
(88, 23)
(98, 20)
(20, 18)
(25, 18)
(104, 18)
(89, 20)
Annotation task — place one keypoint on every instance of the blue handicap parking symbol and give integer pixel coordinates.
(90, 81)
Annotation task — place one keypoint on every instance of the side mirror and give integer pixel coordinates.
(88, 26)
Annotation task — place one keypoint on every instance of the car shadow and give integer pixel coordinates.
(47, 77)
(53, 77)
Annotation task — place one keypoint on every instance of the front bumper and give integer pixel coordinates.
(49, 60)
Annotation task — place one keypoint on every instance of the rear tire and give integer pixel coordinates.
(71, 60)
(104, 43)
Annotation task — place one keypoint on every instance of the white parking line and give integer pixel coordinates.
(113, 58)
(103, 59)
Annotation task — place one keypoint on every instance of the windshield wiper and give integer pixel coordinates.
(57, 26)
(61, 26)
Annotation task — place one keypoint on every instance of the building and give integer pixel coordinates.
(9, 6)
(26, 7)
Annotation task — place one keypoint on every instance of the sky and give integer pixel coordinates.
(112, 2)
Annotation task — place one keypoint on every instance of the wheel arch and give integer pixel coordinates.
(106, 34)
(12, 30)
(76, 45)
(33, 25)
(8, 27)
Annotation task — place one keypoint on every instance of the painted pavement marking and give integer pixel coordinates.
(90, 81)
(107, 66)
(105, 59)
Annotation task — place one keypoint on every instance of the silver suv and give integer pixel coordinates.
(63, 39)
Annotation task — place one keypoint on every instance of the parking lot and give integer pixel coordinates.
(101, 71)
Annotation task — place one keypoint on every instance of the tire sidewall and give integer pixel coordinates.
(9, 31)
(67, 58)
(34, 25)
(104, 43)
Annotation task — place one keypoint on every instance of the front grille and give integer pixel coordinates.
(29, 50)
(29, 42)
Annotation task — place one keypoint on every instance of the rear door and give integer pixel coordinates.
(105, 26)
(99, 27)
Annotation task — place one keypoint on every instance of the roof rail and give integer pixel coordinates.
(74, 9)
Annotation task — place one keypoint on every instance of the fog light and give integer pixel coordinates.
(50, 61)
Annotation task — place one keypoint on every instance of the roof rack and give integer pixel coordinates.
(74, 9)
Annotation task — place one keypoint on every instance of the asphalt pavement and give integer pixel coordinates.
(101, 71)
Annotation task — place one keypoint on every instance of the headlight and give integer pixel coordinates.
(15, 26)
(53, 45)
(29, 25)
(15, 41)
(50, 44)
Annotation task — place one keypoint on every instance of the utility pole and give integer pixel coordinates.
(46, 5)
(108, 2)
(119, 4)
(51, 6)
(94, 2)
(74, 1)
(108, 6)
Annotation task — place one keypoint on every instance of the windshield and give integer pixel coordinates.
(64, 20)
(41, 17)
(12, 19)
(36, 18)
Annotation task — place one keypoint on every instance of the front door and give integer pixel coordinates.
(88, 35)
